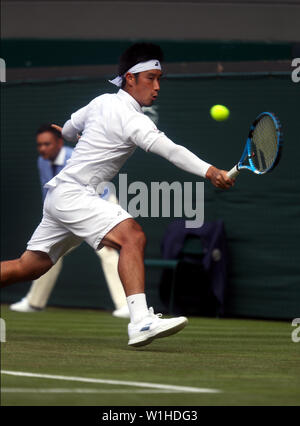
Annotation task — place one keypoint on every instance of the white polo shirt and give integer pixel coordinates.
(112, 126)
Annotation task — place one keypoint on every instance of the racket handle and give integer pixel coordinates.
(233, 172)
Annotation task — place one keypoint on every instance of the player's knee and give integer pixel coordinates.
(139, 239)
(32, 269)
(136, 236)
(128, 234)
(23, 271)
(30, 274)
(36, 273)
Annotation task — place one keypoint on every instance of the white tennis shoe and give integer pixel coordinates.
(153, 327)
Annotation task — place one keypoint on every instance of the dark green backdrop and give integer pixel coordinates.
(60, 52)
(261, 213)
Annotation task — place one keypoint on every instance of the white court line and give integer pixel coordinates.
(171, 388)
(78, 390)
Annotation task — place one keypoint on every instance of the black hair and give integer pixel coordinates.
(48, 128)
(139, 52)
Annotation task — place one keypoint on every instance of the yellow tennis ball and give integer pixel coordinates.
(219, 112)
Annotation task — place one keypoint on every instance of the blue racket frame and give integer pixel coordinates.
(247, 151)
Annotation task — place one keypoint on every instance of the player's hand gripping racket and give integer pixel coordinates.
(263, 147)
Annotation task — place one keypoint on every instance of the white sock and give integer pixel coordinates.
(137, 305)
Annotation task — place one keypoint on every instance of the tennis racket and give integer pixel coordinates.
(263, 147)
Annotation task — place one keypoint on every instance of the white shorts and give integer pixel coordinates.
(74, 213)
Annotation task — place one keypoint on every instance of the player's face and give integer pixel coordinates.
(48, 145)
(145, 87)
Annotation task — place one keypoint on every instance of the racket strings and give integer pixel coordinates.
(264, 144)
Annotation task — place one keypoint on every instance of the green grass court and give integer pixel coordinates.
(250, 362)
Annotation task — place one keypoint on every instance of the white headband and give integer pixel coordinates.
(153, 64)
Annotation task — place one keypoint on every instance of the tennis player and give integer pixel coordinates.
(112, 126)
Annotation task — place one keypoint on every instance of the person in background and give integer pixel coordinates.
(53, 156)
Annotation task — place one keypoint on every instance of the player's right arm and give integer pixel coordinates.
(219, 178)
(140, 130)
(186, 160)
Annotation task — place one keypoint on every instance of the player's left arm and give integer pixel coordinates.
(68, 132)
(73, 127)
